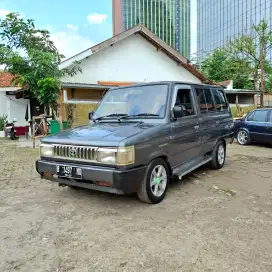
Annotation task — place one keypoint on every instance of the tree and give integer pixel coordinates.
(221, 66)
(30, 55)
(254, 48)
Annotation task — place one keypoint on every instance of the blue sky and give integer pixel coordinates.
(74, 24)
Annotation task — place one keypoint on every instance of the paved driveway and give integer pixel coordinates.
(212, 221)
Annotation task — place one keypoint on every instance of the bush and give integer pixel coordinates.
(241, 111)
(3, 120)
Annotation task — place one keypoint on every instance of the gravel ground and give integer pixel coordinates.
(211, 221)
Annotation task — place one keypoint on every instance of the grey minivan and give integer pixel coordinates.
(139, 137)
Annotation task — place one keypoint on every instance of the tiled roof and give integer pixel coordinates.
(5, 79)
(150, 37)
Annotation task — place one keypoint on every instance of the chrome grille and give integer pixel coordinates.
(72, 152)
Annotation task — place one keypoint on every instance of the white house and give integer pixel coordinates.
(10, 104)
(134, 56)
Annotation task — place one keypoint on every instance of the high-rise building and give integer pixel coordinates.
(221, 20)
(168, 19)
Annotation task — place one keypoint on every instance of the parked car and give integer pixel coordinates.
(139, 137)
(256, 126)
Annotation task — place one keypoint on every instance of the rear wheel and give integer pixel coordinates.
(243, 137)
(155, 184)
(218, 155)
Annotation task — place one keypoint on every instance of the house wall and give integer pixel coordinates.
(243, 99)
(14, 108)
(132, 60)
(3, 103)
(80, 111)
(247, 99)
(85, 94)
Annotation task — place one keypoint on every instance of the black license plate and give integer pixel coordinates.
(69, 172)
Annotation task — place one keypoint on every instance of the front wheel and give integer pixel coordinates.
(155, 184)
(243, 137)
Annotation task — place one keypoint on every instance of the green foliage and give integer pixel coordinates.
(220, 66)
(30, 55)
(240, 60)
(268, 84)
(3, 120)
(46, 90)
(253, 48)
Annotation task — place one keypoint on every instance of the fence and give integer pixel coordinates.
(267, 100)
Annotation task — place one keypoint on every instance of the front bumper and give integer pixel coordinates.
(118, 182)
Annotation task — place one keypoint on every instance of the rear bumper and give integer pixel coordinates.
(118, 182)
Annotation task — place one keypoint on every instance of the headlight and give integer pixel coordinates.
(125, 155)
(120, 156)
(46, 150)
(106, 155)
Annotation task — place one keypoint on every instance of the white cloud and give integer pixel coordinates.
(72, 27)
(4, 12)
(70, 44)
(95, 18)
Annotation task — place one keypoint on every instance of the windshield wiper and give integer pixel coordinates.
(111, 115)
(139, 115)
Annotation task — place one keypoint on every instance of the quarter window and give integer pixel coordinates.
(260, 116)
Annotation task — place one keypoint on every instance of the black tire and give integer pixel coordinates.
(73, 187)
(216, 162)
(246, 140)
(145, 193)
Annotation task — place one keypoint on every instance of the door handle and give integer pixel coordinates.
(196, 127)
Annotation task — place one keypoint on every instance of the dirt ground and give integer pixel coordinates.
(200, 226)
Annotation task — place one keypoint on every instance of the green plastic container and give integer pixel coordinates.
(54, 126)
(64, 124)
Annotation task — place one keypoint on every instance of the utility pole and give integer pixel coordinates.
(262, 71)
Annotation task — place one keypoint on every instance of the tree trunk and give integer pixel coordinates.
(262, 55)
(256, 81)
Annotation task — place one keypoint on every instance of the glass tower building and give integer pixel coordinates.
(168, 19)
(221, 20)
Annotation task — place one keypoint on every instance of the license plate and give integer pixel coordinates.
(69, 172)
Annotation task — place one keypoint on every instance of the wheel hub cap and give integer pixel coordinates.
(221, 154)
(158, 180)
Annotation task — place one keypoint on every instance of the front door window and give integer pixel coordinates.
(184, 101)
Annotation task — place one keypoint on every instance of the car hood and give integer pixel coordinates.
(99, 134)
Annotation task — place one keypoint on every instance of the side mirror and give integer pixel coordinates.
(90, 115)
(178, 112)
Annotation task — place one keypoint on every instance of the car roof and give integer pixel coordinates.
(168, 83)
(263, 109)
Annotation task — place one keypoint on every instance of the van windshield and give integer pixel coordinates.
(136, 101)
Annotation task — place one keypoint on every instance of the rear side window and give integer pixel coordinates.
(209, 100)
(220, 100)
(204, 100)
(201, 100)
(260, 116)
(270, 119)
